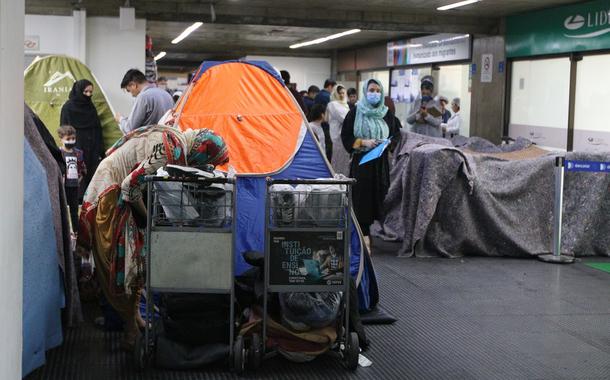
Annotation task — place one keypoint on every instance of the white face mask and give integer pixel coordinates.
(69, 143)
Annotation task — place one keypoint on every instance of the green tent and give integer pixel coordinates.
(48, 82)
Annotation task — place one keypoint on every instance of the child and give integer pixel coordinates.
(75, 169)
(317, 115)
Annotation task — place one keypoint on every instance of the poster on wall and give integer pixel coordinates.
(405, 85)
(487, 65)
(306, 258)
(444, 47)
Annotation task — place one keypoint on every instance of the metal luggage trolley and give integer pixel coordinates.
(307, 237)
(189, 246)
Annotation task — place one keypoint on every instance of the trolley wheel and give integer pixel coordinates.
(239, 355)
(139, 351)
(255, 353)
(352, 352)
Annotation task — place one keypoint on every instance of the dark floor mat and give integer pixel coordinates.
(470, 318)
(379, 316)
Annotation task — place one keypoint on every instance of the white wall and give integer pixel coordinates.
(56, 34)
(98, 42)
(11, 191)
(111, 52)
(303, 71)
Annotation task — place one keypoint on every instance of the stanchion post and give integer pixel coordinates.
(556, 256)
(558, 210)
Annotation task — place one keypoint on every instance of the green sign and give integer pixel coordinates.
(580, 27)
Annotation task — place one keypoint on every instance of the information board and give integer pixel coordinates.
(306, 258)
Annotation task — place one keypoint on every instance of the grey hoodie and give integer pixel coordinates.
(430, 126)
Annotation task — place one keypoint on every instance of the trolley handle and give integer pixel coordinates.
(189, 179)
(346, 181)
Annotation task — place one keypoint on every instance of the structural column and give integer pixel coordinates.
(12, 16)
(80, 35)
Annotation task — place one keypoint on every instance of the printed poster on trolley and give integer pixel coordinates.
(306, 258)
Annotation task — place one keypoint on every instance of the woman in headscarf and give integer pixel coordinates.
(113, 213)
(79, 112)
(365, 126)
(336, 111)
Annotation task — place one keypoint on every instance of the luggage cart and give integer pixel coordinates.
(302, 224)
(189, 247)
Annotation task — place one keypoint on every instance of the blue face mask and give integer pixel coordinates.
(373, 97)
(426, 98)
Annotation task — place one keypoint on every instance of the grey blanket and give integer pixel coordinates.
(445, 202)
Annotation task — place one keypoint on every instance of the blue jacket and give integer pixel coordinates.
(308, 102)
(323, 98)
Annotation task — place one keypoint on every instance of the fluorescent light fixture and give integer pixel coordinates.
(160, 55)
(324, 39)
(186, 32)
(456, 5)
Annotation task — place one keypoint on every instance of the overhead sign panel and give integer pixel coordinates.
(580, 27)
(436, 48)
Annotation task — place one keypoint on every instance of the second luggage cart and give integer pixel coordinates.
(307, 249)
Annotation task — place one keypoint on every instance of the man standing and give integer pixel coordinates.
(151, 102)
(445, 112)
(421, 118)
(324, 96)
(312, 91)
(352, 96)
(452, 127)
(286, 78)
(162, 84)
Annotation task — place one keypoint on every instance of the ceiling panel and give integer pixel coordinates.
(269, 27)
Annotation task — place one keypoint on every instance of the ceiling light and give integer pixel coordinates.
(324, 39)
(456, 5)
(186, 32)
(160, 55)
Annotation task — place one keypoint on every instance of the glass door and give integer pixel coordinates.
(540, 99)
(591, 116)
(404, 89)
(453, 82)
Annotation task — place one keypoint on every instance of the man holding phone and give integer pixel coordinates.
(426, 118)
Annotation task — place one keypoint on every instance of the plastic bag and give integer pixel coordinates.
(283, 203)
(177, 203)
(214, 205)
(323, 205)
(304, 311)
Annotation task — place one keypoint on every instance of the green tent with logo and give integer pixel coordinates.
(48, 82)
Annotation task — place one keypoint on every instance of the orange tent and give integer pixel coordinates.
(249, 106)
(266, 134)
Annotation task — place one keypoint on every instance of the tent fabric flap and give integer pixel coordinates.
(251, 110)
(48, 82)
